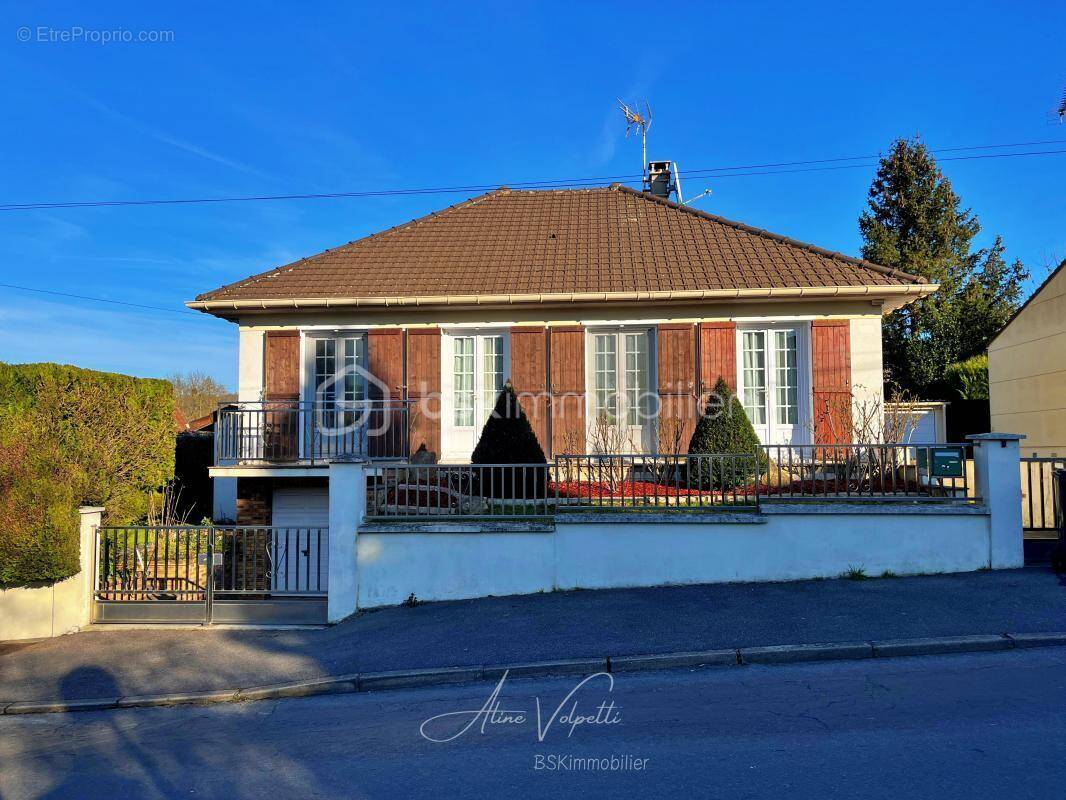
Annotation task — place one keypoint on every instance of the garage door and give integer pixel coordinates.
(301, 544)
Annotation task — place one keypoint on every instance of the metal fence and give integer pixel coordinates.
(876, 472)
(478, 490)
(662, 482)
(282, 431)
(198, 563)
(1039, 501)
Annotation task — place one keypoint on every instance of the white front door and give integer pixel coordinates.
(474, 368)
(619, 407)
(771, 384)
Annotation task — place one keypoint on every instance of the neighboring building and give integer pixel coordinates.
(1027, 370)
(601, 305)
(920, 422)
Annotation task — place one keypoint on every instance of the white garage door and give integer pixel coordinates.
(301, 552)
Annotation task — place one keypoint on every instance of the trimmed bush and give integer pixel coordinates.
(508, 438)
(724, 428)
(70, 437)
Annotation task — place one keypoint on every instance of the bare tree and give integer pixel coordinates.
(197, 394)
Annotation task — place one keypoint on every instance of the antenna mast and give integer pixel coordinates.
(639, 122)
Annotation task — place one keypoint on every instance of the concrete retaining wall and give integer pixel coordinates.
(64, 607)
(448, 562)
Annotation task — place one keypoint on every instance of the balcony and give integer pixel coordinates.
(295, 433)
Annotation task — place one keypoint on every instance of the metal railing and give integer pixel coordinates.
(879, 472)
(605, 482)
(467, 490)
(194, 562)
(1039, 501)
(296, 432)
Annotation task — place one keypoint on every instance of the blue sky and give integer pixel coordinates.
(264, 99)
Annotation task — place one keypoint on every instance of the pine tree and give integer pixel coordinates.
(724, 428)
(508, 438)
(915, 222)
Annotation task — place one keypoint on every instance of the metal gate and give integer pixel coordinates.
(211, 574)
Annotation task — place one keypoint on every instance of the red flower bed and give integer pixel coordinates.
(585, 489)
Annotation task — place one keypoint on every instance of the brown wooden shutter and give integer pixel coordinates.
(718, 356)
(281, 365)
(281, 388)
(529, 376)
(385, 362)
(423, 388)
(567, 372)
(831, 380)
(677, 386)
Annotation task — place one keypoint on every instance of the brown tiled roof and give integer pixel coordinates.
(601, 240)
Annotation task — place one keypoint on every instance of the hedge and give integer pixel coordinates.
(71, 437)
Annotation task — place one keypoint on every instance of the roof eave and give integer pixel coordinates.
(904, 292)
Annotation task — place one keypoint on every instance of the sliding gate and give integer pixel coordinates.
(211, 574)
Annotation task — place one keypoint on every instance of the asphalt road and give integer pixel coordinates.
(966, 726)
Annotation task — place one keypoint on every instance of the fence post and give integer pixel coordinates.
(997, 467)
(347, 507)
(87, 547)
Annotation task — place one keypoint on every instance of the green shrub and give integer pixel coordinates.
(69, 437)
(508, 438)
(969, 378)
(723, 428)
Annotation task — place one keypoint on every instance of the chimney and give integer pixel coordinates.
(660, 179)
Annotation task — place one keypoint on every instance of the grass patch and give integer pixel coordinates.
(855, 574)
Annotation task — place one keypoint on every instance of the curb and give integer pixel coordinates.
(406, 679)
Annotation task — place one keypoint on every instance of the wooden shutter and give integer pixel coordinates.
(529, 376)
(677, 386)
(567, 373)
(831, 380)
(385, 362)
(281, 365)
(718, 356)
(423, 388)
(281, 379)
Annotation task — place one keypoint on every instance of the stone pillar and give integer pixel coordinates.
(997, 471)
(90, 521)
(347, 506)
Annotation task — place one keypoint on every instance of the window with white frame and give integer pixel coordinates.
(477, 377)
(619, 364)
(339, 380)
(771, 381)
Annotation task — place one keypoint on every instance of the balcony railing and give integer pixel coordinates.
(289, 432)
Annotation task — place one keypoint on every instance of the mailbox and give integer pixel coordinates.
(947, 462)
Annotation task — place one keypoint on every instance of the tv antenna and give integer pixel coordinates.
(636, 121)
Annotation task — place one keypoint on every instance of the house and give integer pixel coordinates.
(1027, 370)
(612, 311)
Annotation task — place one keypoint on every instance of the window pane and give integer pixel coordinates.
(491, 372)
(325, 371)
(786, 375)
(754, 373)
(606, 364)
(636, 376)
(353, 380)
(463, 374)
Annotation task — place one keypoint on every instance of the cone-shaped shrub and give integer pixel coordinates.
(508, 438)
(724, 428)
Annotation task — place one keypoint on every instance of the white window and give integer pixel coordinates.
(474, 369)
(771, 382)
(339, 371)
(619, 372)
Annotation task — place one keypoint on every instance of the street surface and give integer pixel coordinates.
(965, 726)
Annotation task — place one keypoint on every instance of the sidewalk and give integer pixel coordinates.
(507, 630)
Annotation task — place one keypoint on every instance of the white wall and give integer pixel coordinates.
(782, 544)
(250, 365)
(64, 607)
(867, 369)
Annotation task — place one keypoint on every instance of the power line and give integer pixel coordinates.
(100, 300)
(707, 172)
